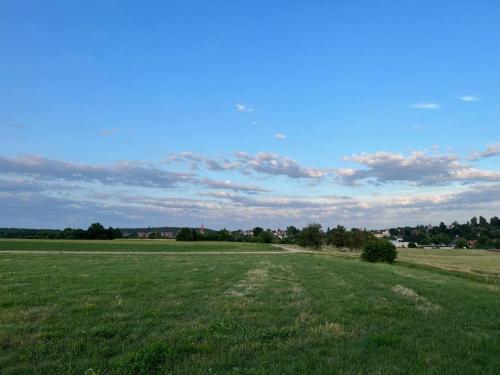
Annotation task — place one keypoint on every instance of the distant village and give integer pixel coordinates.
(475, 233)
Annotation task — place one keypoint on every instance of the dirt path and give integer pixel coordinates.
(294, 250)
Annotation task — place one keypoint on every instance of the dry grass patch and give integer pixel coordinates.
(254, 279)
(422, 303)
(330, 329)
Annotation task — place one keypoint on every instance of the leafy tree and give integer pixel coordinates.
(185, 234)
(311, 236)
(97, 232)
(412, 245)
(357, 240)
(225, 235)
(256, 231)
(338, 237)
(495, 222)
(266, 236)
(291, 234)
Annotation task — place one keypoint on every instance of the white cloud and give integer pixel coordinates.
(243, 108)
(125, 172)
(427, 106)
(469, 98)
(417, 168)
(232, 210)
(280, 136)
(491, 150)
(265, 163)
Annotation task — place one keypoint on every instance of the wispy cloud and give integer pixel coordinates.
(265, 163)
(230, 185)
(280, 136)
(427, 106)
(126, 172)
(243, 108)
(469, 98)
(196, 161)
(490, 151)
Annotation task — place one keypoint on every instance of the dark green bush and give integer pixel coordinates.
(412, 245)
(379, 251)
(461, 243)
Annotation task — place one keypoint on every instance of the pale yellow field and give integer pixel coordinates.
(477, 262)
(485, 264)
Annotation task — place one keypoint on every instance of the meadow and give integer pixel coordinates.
(476, 264)
(241, 313)
(127, 245)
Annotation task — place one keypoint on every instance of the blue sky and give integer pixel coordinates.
(358, 113)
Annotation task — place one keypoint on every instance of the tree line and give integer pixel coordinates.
(310, 236)
(475, 233)
(95, 231)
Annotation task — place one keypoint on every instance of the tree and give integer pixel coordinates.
(311, 236)
(482, 221)
(185, 234)
(225, 235)
(291, 234)
(379, 250)
(266, 236)
(356, 240)
(338, 237)
(495, 222)
(412, 245)
(112, 233)
(97, 232)
(256, 231)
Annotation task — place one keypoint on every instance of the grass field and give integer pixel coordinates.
(292, 313)
(129, 246)
(477, 264)
(481, 263)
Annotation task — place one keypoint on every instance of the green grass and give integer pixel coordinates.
(294, 313)
(129, 245)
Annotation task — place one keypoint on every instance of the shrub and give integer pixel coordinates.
(379, 251)
(412, 245)
(461, 243)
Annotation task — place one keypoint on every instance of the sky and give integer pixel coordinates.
(242, 113)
